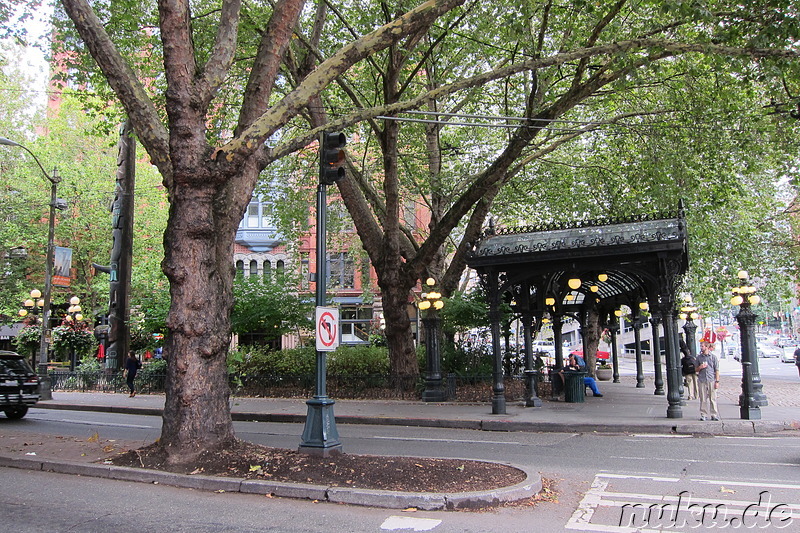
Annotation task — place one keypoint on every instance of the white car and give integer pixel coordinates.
(788, 355)
(768, 350)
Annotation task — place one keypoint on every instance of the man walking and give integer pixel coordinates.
(707, 380)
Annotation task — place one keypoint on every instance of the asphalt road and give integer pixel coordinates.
(603, 482)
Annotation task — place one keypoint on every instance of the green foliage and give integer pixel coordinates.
(27, 340)
(152, 375)
(467, 359)
(88, 371)
(270, 305)
(156, 367)
(359, 360)
(254, 360)
(74, 336)
(464, 311)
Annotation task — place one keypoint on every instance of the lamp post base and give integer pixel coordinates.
(45, 384)
(320, 436)
(750, 413)
(434, 393)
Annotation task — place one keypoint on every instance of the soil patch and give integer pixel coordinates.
(408, 474)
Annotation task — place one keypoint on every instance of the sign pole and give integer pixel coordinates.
(320, 436)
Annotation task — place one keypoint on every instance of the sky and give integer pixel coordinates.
(34, 64)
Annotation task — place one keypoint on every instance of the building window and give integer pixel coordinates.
(267, 268)
(341, 271)
(279, 267)
(356, 323)
(240, 268)
(254, 268)
(252, 218)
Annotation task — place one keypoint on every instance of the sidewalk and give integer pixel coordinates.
(622, 409)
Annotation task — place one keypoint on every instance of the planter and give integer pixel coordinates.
(604, 374)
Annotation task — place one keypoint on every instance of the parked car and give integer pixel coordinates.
(19, 385)
(788, 355)
(785, 342)
(768, 350)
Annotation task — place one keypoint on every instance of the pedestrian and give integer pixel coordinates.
(132, 366)
(707, 369)
(689, 371)
(797, 358)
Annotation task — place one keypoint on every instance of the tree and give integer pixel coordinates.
(210, 180)
(594, 68)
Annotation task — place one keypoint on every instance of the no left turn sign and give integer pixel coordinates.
(327, 328)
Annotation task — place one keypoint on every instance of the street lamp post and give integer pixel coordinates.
(33, 305)
(752, 398)
(73, 315)
(45, 392)
(430, 305)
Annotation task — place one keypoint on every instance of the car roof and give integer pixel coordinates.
(9, 355)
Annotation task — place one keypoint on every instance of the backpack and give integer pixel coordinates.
(688, 364)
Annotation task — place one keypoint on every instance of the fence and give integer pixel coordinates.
(374, 386)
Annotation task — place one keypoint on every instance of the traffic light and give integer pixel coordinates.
(331, 157)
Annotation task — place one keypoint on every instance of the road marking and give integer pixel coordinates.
(656, 512)
(685, 460)
(90, 423)
(656, 436)
(448, 441)
(409, 522)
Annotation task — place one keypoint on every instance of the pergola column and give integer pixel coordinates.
(637, 336)
(655, 324)
(498, 387)
(614, 329)
(531, 394)
(558, 340)
(670, 317)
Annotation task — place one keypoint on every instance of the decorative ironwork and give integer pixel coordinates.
(588, 223)
(513, 242)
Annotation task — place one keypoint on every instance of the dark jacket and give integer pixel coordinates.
(688, 364)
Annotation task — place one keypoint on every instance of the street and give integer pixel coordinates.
(604, 482)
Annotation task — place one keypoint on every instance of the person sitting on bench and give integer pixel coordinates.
(590, 382)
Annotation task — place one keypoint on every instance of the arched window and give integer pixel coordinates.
(240, 268)
(279, 266)
(254, 268)
(267, 268)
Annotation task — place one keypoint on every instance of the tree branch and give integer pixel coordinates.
(125, 83)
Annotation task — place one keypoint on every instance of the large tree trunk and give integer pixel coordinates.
(591, 332)
(402, 354)
(198, 245)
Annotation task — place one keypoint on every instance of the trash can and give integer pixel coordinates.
(573, 386)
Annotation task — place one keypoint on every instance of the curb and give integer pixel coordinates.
(677, 426)
(427, 501)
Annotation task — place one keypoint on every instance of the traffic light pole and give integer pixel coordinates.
(320, 436)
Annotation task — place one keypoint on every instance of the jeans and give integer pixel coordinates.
(592, 384)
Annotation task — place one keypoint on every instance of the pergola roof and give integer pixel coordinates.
(637, 258)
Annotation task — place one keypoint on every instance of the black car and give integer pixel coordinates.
(19, 385)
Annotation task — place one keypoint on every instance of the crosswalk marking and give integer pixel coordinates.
(409, 522)
(695, 503)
